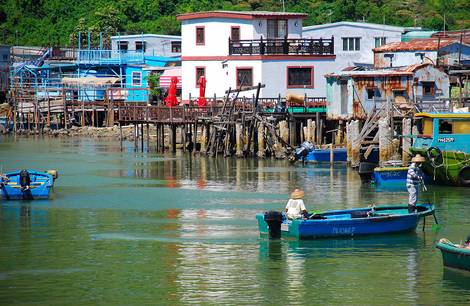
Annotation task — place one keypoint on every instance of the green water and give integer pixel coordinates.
(133, 228)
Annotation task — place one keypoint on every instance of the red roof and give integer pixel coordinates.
(240, 15)
(424, 44)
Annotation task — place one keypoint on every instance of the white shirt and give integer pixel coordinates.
(294, 208)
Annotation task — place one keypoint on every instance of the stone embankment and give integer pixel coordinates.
(101, 132)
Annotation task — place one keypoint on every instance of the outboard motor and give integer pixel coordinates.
(274, 220)
(25, 180)
(302, 151)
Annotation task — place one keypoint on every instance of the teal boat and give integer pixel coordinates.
(453, 255)
(444, 141)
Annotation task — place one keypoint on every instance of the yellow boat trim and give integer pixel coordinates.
(447, 115)
(390, 169)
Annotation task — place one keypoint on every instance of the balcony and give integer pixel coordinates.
(109, 57)
(282, 47)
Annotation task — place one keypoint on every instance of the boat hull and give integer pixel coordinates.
(40, 187)
(323, 156)
(341, 223)
(454, 169)
(453, 256)
(393, 177)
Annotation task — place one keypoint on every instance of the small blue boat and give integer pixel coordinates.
(345, 223)
(26, 184)
(393, 177)
(323, 156)
(390, 177)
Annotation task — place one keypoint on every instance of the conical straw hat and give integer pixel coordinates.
(297, 194)
(418, 159)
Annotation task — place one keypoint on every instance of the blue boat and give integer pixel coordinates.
(27, 184)
(393, 177)
(323, 156)
(345, 223)
(390, 177)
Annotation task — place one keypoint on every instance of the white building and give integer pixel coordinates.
(234, 49)
(354, 41)
(149, 44)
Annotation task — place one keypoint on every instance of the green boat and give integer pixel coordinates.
(444, 141)
(453, 255)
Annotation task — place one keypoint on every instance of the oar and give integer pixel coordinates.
(435, 226)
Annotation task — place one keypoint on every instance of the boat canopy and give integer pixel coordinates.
(443, 115)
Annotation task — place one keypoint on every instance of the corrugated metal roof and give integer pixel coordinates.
(415, 45)
(402, 71)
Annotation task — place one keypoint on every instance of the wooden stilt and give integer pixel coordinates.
(120, 135)
(142, 137)
(173, 138)
(148, 138)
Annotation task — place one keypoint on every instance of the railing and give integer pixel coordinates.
(185, 113)
(97, 56)
(177, 114)
(282, 47)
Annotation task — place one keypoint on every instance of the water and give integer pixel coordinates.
(133, 228)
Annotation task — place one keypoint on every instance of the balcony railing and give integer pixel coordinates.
(282, 47)
(109, 57)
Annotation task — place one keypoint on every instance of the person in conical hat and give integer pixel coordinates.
(414, 177)
(418, 159)
(295, 207)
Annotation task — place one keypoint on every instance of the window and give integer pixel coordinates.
(299, 76)
(244, 77)
(235, 33)
(140, 46)
(176, 46)
(200, 36)
(380, 41)
(277, 28)
(373, 92)
(351, 44)
(445, 126)
(123, 46)
(136, 78)
(428, 89)
(200, 71)
(5, 57)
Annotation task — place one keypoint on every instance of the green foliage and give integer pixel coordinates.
(153, 81)
(57, 22)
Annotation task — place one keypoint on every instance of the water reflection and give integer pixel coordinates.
(135, 228)
(456, 279)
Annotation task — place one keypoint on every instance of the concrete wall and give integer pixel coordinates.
(403, 58)
(218, 30)
(273, 73)
(367, 34)
(218, 79)
(157, 45)
(275, 77)
(431, 74)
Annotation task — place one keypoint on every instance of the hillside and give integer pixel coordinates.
(53, 22)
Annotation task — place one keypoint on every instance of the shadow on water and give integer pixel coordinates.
(456, 279)
(278, 249)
